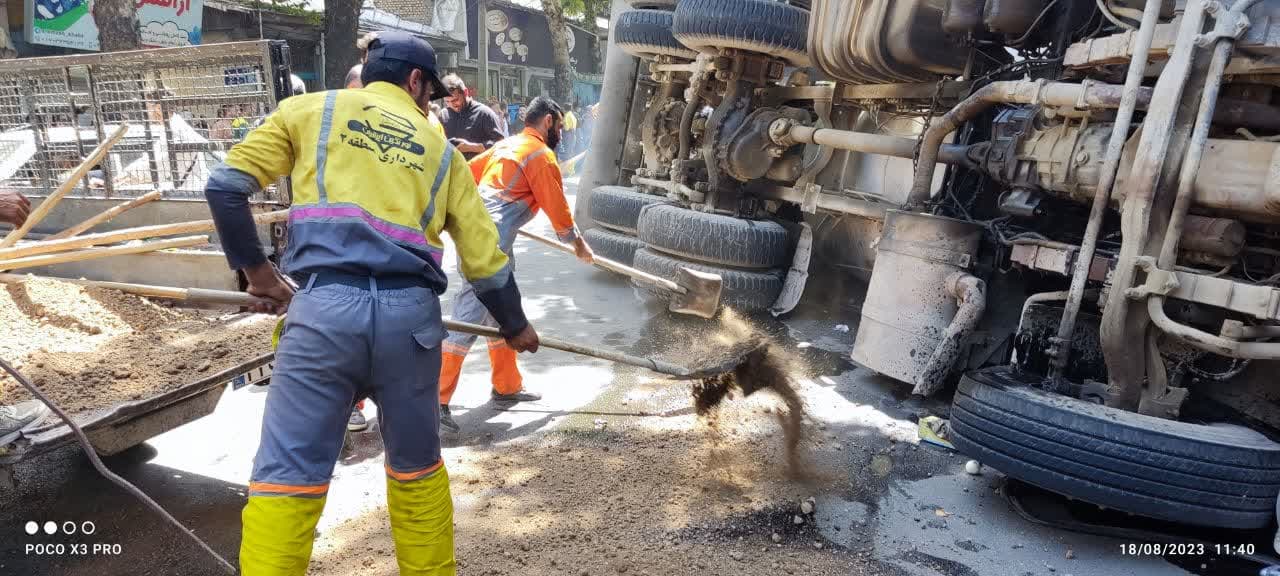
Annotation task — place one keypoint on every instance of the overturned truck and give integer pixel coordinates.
(1066, 214)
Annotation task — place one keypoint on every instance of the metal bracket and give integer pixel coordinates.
(809, 204)
(1228, 24)
(1159, 282)
(1262, 302)
(924, 252)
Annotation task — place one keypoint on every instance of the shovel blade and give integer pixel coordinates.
(701, 296)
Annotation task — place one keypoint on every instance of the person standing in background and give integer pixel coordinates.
(500, 109)
(570, 133)
(470, 126)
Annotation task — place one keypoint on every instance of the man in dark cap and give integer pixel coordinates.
(374, 185)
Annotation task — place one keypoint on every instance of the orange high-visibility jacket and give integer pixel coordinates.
(522, 168)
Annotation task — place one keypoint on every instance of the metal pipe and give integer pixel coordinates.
(828, 201)
(691, 109)
(668, 185)
(1102, 197)
(1199, 137)
(1182, 203)
(1120, 329)
(869, 143)
(1256, 332)
(1084, 95)
(970, 292)
(1209, 342)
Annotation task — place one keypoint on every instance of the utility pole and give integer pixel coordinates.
(482, 36)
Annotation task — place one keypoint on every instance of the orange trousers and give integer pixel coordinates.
(506, 376)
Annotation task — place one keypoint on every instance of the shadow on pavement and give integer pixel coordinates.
(147, 543)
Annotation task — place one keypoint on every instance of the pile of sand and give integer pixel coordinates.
(90, 348)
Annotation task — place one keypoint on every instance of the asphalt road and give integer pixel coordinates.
(899, 507)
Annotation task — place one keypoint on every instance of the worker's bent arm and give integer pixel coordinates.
(264, 156)
(481, 262)
(548, 189)
(479, 164)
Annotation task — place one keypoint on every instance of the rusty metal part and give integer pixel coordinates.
(1208, 342)
(750, 152)
(1237, 178)
(1061, 351)
(694, 99)
(970, 294)
(1121, 329)
(1235, 24)
(1258, 46)
(949, 92)
(1059, 94)
(661, 135)
(673, 189)
(1057, 258)
(1259, 301)
(785, 133)
(908, 306)
(812, 200)
(1216, 236)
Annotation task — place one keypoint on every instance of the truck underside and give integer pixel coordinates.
(1065, 213)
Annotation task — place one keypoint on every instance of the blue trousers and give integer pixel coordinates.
(509, 217)
(339, 343)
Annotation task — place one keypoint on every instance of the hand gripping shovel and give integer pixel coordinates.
(692, 292)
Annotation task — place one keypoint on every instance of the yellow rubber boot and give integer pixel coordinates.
(278, 534)
(422, 522)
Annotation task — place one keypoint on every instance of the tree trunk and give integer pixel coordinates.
(562, 88)
(117, 22)
(590, 11)
(7, 50)
(341, 19)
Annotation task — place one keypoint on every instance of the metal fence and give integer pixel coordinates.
(186, 107)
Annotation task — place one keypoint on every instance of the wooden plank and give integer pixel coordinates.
(52, 200)
(96, 253)
(193, 227)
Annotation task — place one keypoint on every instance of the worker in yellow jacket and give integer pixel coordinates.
(374, 184)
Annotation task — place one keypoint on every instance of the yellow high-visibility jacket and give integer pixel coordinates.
(374, 183)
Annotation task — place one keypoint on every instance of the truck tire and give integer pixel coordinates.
(743, 290)
(618, 207)
(612, 245)
(715, 239)
(655, 4)
(1222, 476)
(647, 33)
(764, 26)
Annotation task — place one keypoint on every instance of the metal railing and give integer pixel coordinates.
(186, 107)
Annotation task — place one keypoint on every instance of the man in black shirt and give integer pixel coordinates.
(470, 126)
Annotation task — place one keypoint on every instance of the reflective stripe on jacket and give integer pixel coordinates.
(374, 184)
(523, 169)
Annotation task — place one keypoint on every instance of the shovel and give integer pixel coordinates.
(692, 292)
(729, 360)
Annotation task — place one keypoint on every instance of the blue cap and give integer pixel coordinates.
(406, 47)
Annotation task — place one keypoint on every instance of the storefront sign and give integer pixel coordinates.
(69, 23)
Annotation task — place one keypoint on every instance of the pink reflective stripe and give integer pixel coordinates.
(394, 231)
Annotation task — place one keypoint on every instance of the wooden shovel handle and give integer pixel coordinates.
(608, 264)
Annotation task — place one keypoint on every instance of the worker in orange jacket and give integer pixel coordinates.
(516, 177)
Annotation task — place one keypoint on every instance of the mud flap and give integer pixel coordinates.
(797, 276)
